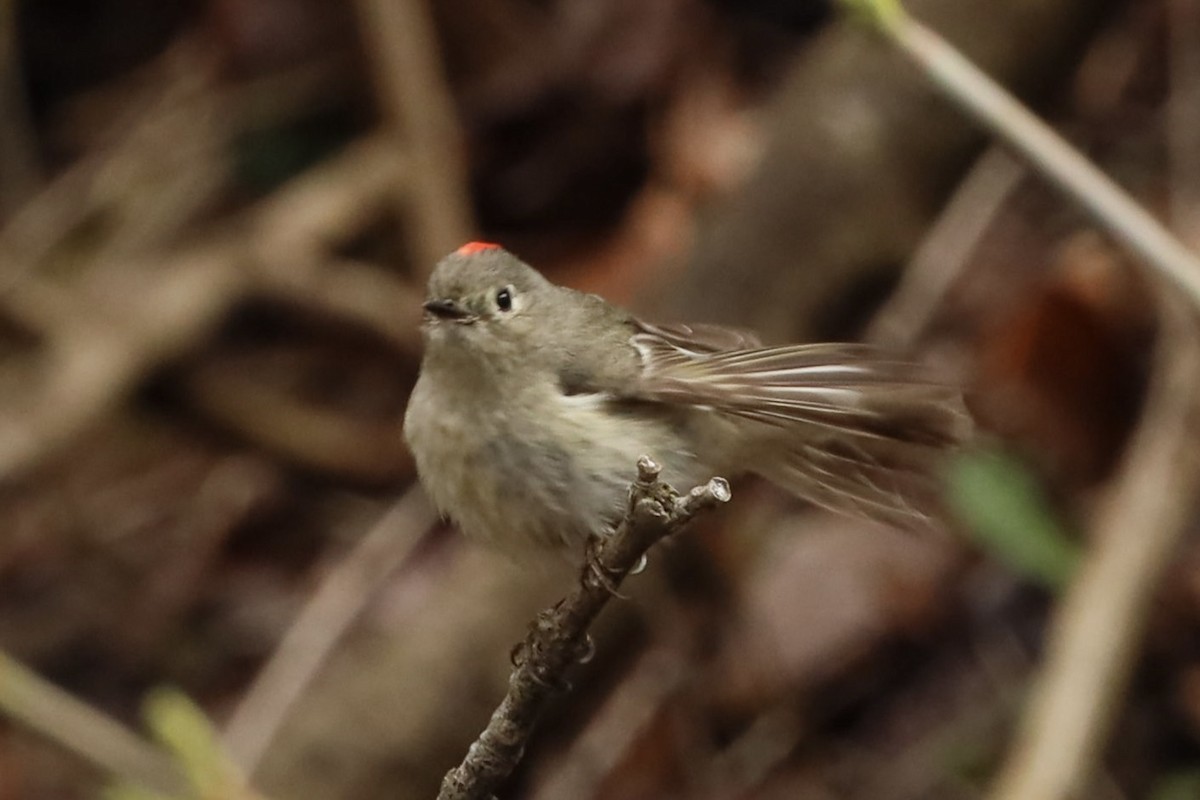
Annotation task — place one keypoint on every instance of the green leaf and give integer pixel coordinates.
(1008, 514)
(186, 732)
(881, 14)
(181, 727)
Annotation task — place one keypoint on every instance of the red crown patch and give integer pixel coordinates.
(470, 248)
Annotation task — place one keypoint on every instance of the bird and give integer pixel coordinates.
(534, 402)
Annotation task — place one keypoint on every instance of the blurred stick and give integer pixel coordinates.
(84, 731)
(155, 308)
(297, 230)
(1183, 117)
(940, 258)
(320, 625)
(616, 727)
(129, 166)
(402, 40)
(226, 388)
(134, 299)
(94, 358)
(1048, 153)
(558, 638)
(1093, 641)
(169, 149)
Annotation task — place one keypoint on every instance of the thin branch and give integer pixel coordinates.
(84, 731)
(1095, 639)
(558, 637)
(940, 258)
(157, 307)
(95, 357)
(402, 40)
(227, 388)
(634, 705)
(156, 168)
(320, 625)
(1183, 117)
(1095, 636)
(1052, 157)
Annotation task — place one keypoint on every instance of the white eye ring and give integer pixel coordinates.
(504, 299)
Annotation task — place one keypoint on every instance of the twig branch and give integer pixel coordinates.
(402, 41)
(84, 731)
(945, 251)
(1052, 157)
(320, 625)
(558, 638)
(1183, 117)
(1094, 641)
(1095, 636)
(95, 358)
(99, 346)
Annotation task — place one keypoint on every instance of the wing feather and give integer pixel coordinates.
(848, 426)
(700, 338)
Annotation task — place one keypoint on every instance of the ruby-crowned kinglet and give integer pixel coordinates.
(535, 402)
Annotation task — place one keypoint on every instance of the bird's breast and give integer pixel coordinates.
(533, 467)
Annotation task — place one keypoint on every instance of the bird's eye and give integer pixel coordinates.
(504, 299)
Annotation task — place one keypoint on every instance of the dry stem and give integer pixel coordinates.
(1094, 640)
(402, 40)
(320, 625)
(945, 251)
(558, 637)
(1048, 153)
(85, 731)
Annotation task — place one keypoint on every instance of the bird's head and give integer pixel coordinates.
(483, 301)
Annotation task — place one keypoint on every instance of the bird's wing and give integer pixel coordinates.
(613, 368)
(701, 338)
(848, 426)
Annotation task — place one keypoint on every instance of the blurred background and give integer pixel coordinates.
(216, 220)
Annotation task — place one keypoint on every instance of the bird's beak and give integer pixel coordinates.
(448, 309)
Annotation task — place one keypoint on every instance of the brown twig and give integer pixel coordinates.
(1098, 628)
(153, 171)
(226, 388)
(320, 625)
(95, 358)
(558, 637)
(402, 40)
(85, 731)
(1094, 639)
(1183, 118)
(1095, 636)
(617, 727)
(1047, 152)
(103, 336)
(944, 252)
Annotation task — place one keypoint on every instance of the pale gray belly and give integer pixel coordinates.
(544, 482)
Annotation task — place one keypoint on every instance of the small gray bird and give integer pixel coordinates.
(535, 401)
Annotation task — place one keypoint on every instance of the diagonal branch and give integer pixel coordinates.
(83, 730)
(401, 39)
(558, 637)
(319, 627)
(1095, 638)
(1035, 141)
